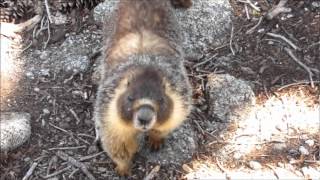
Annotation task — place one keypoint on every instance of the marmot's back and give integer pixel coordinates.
(143, 27)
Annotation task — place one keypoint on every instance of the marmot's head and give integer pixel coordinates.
(144, 101)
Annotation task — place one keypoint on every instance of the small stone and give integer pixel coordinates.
(303, 150)
(36, 89)
(310, 142)
(102, 169)
(30, 75)
(255, 165)
(44, 55)
(45, 111)
(27, 159)
(237, 155)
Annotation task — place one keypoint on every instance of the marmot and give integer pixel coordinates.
(143, 85)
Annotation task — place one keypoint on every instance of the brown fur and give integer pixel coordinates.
(141, 28)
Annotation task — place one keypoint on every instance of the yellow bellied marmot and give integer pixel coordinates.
(143, 85)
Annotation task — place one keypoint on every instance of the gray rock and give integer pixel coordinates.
(178, 147)
(303, 150)
(255, 165)
(15, 129)
(72, 56)
(310, 142)
(230, 99)
(207, 23)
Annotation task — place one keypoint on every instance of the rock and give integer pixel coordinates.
(15, 129)
(230, 99)
(255, 165)
(303, 150)
(72, 56)
(206, 24)
(310, 142)
(177, 149)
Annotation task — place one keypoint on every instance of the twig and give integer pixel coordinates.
(70, 78)
(251, 4)
(27, 47)
(199, 127)
(48, 10)
(67, 148)
(75, 163)
(231, 37)
(296, 83)
(290, 53)
(49, 34)
(279, 8)
(221, 167)
(247, 11)
(285, 39)
(57, 172)
(152, 173)
(75, 115)
(273, 169)
(204, 62)
(86, 135)
(91, 156)
(251, 30)
(52, 162)
(73, 172)
(30, 171)
(56, 127)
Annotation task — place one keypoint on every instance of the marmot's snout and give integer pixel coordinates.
(145, 117)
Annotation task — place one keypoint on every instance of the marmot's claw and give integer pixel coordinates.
(155, 144)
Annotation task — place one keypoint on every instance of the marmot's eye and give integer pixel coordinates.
(130, 98)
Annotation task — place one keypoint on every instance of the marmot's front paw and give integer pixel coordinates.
(123, 171)
(155, 143)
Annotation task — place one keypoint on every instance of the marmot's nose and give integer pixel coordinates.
(145, 115)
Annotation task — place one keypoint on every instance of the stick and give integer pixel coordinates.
(90, 156)
(30, 171)
(296, 83)
(290, 53)
(250, 31)
(251, 4)
(48, 10)
(285, 39)
(49, 34)
(152, 173)
(75, 163)
(67, 148)
(203, 62)
(231, 37)
(247, 11)
(279, 8)
(75, 115)
(57, 172)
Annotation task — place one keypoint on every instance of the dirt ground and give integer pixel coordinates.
(257, 57)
